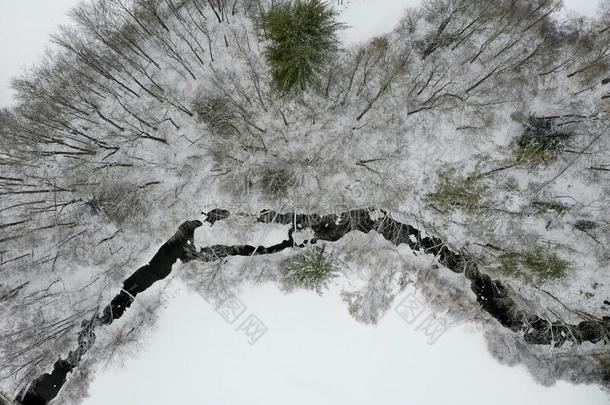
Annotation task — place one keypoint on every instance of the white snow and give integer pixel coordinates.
(366, 19)
(314, 353)
(587, 8)
(25, 26)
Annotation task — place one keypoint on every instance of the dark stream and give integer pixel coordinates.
(493, 296)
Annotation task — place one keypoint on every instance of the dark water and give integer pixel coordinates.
(46, 387)
(493, 296)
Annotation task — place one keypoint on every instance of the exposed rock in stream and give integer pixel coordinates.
(493, 295)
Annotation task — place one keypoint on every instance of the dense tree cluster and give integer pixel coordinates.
(148, 111)
(303, 37)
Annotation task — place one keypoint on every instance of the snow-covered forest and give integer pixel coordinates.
(466, 154)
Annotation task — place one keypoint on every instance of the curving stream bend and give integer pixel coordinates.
(493, 295)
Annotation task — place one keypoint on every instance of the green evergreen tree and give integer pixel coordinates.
(303, 35)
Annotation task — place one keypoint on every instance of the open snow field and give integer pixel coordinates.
(313, 352)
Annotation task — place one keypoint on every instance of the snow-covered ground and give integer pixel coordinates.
(365, 19)
(584, 7)
(25, 26)
(314, 353)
